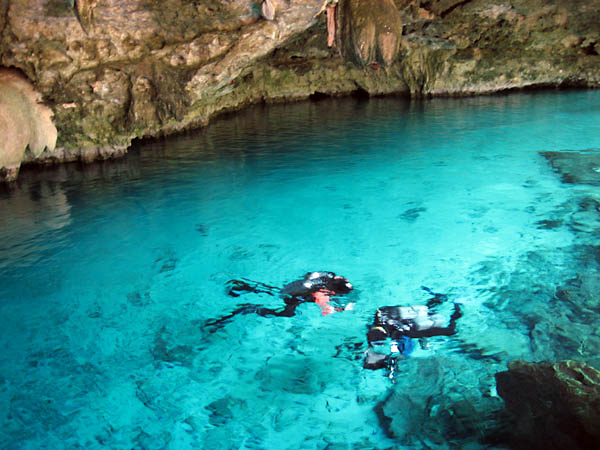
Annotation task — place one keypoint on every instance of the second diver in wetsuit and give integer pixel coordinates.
(321, 288)
(390, 336)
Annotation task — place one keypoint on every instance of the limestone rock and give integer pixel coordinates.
(143, 109)
(84, 10)
(269, 9)
(115, 70)
(443, 7)
(370, 31)
(554, 406)
(24, 122)
(3, 9)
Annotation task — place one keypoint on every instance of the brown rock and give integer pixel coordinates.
(553, 406)
(370, 31)
(84, 10)
(143, 111)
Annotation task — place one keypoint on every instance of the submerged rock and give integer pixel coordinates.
(553, 405)
(438, 403)
(576, 167)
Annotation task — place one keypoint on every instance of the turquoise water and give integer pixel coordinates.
(108, 273)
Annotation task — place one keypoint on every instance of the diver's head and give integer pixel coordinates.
(340, 285)
(376, 334)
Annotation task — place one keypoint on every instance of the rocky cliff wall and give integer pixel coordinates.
(115, 70)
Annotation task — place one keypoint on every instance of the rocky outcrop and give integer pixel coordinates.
(553, 406)
(115, 70)
(25, 123)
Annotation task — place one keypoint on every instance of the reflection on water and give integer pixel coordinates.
(109, 271)
(41, 206)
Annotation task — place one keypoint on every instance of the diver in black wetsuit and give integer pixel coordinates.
(316, 287)
(390, 336)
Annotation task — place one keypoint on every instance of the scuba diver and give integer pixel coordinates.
(315, 287)
(390, 336)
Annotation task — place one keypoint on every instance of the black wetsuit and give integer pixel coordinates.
(293, 294)
(397, 324)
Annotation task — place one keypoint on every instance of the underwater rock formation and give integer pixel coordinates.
(117, 70)
(553, 405)
(445, 401)
(25, 123)
(577, 167)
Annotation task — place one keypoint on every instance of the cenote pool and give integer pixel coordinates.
(109, 272)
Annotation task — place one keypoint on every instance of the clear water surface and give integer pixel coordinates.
(108, 273)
